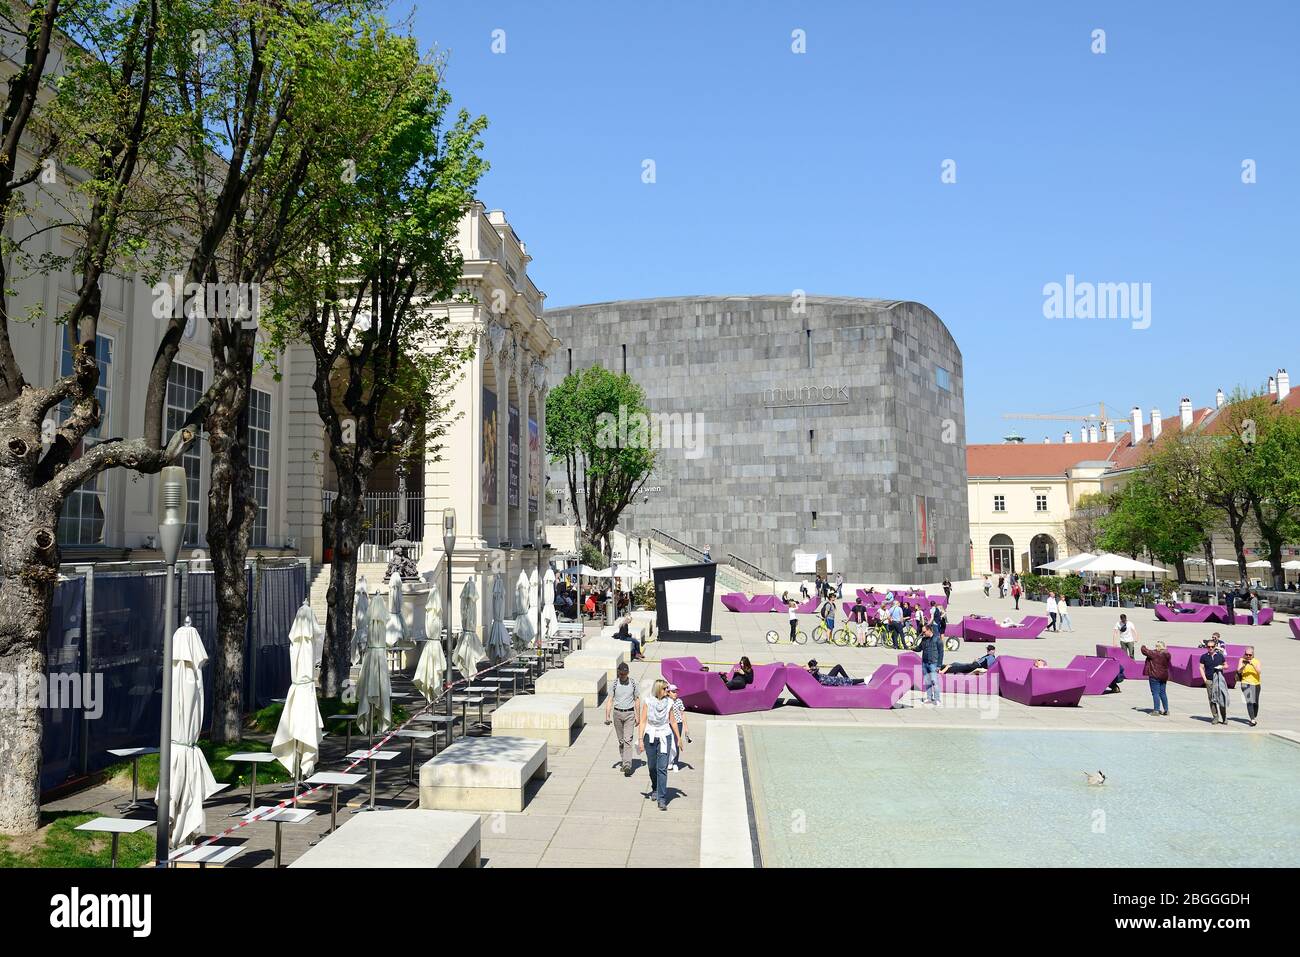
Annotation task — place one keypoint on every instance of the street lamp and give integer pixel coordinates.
(173, 505)
(448, 546)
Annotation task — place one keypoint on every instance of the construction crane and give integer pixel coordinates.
(1099, 418)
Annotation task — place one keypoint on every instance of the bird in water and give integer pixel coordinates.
(1095, 780)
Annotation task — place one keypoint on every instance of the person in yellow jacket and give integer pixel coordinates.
(1248, 680)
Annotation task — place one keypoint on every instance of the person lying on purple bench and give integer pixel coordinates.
(835, 678)
(976, 667)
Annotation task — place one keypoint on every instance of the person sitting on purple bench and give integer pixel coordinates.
(976, 667)
(743, 678)
(835, 678)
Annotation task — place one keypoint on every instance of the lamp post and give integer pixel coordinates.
(610, 601)
(172, 507)
(448, 546)
(540, 545)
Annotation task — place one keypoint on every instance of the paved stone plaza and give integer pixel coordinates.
(587, 814)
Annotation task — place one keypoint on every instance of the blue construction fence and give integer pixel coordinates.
(110, 623)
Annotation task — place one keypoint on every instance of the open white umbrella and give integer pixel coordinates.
(1109, 562)
(1292, 566)
(397, 623)
(360, 619)
(525, 631)
(1065, 564)
(550, 621)
(433, 662)
(469, 650)
(374, 691)
(1262, 563)
(191, 778)
(498, 643)
(297, 737)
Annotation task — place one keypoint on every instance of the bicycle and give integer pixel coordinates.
(776, 638)
(847, 635)
(821, 634)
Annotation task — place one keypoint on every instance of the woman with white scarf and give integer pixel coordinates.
(658, 728)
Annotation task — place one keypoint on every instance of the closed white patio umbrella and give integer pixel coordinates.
(433, 662)
(498, 643)
(297, 737)
(191, 778)
(317, 633)
(397, 622)
(374, 691)
(550, 621)
(360, 619)
(469, 650)
(525, 631)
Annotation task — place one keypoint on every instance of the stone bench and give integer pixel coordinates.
(647, 619)
(610, 646)
(598, 658)
(482, 774)
(553, 718)
(590, 683)
(637, 629)
(399, 838)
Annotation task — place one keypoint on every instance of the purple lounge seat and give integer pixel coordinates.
(1185, 666)
(1295, 628)
(809, 607)
(985, 684)
(886, 686)
(870, 598)
(986, 629)
(706, 692)
(1101, 672)
(1243, 617)
(1132, 669)
(1021, 682)
(1196, 614)
(735, 601)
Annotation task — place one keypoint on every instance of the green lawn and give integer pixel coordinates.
(57, 844)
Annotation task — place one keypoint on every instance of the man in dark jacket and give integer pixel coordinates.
(931, 651)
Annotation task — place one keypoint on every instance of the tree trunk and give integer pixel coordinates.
(231, 511)
(1180, 568)
(29, 567)
(336, 664)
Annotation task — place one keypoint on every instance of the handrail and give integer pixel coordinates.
(749, 567)
(689, 550)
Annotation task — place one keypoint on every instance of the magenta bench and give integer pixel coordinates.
(1185, 666)
(886, 686)
(735, 601)
(1243, 617)
(1100, 672)
(1132, 669)
(1021, 682)
(706, 692)
(1193, 613)
(1295, 628)
(986, 629)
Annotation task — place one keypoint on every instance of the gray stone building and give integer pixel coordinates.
(790, 424)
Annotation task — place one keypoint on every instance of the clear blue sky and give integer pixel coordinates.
(821, 171)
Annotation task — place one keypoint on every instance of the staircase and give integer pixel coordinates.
(730, 577)
(373, 572)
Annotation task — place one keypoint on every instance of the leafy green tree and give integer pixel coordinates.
(599, 426)
(358, 290)
(1270, 437)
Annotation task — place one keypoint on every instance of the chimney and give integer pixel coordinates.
(1047, 440)
(1092, 433)
(1219, 400)
(1272, 386)
(1110, 431)
(1083, 434)
(1283, 385)
(1157, 424)
(1067, 438)
(1136, 437)
(1185, 412)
